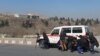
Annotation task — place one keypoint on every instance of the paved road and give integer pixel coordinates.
(23, 50)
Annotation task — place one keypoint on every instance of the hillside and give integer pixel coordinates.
(21, 26)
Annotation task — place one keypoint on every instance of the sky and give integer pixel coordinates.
(50, 8)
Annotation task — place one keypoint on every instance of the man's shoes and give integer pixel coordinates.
(81, 52)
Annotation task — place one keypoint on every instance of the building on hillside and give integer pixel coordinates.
(30, 16)
(16, 15)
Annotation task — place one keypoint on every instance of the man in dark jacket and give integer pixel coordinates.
(84, 43)
(72, 43)
(93, 42)
(80, 44)
(46, 40)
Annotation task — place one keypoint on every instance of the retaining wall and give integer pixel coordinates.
(25, 41)
(20, 41)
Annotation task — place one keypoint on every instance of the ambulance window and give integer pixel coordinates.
(77, 30)
(67, 30)
(55, 32)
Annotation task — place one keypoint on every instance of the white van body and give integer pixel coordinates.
(74, 31)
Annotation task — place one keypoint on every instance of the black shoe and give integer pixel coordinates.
(81, 52)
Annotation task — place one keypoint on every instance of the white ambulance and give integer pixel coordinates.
(74, 31)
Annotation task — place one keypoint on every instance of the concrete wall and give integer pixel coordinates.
(25, 41)
(19, 41)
